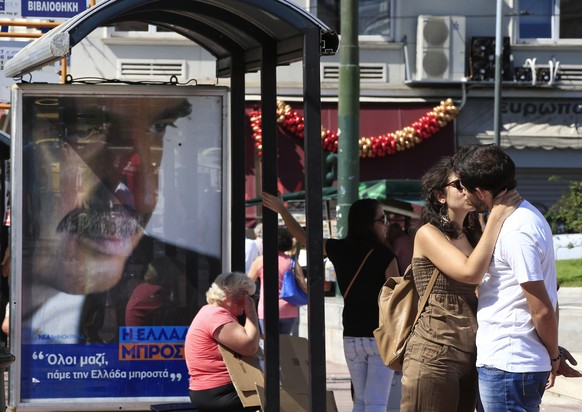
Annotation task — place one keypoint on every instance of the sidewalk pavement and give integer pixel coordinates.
(566, 395)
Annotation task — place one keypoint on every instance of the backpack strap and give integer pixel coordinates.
(357, 273)
(424, 299)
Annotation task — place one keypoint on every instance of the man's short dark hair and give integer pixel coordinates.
(485, 166)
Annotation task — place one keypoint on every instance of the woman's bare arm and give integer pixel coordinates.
(239, 338)
(431, 243)
(300, 277)
(276, 204)
(392, 269)
(254, 269)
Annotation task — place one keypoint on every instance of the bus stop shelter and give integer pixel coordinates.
(244, 36)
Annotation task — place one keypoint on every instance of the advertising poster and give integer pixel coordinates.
(10, 9)
(119, 221)
(8, 49)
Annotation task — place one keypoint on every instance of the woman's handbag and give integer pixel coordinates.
(399, 312)
(291, 292)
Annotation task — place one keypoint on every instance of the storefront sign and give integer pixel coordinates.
(52, 8)
(532, 123)
(526, 109)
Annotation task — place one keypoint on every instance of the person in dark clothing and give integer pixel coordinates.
(365, 246)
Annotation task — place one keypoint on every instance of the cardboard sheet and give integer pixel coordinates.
(248, 378)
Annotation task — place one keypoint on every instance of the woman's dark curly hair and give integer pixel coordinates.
(361, 219)
(433, 184)
(284, 240)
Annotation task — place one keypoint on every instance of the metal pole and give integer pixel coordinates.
(237, 188)
(313, 215)
(498, 63)
(270, 260)
(348, 114)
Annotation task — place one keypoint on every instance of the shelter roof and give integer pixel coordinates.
(223, 27)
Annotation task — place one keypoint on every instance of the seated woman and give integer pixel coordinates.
(211, 388)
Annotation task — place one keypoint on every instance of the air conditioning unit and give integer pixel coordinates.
(482, 59)
(440, 48)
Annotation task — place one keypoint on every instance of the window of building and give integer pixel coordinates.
(375, 16)
(550, 19)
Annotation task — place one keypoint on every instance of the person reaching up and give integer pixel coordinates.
(363, 261)
(288, 313)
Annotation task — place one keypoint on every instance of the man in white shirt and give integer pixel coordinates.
(251, 253)
(517, 340)
(253, 245)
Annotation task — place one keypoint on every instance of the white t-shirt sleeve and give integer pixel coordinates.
(522, 254)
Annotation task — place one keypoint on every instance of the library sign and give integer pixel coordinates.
(50, 9)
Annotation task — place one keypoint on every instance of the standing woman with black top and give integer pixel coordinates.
(365, 246)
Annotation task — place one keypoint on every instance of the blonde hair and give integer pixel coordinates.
(229, 284)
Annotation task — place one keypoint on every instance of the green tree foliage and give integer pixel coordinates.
(568, 210)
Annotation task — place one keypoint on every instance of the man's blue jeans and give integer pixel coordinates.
(501, 391)
(372, 379)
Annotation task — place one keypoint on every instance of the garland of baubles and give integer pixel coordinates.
(373, 146)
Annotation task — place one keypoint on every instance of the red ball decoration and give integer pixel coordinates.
(374, 146)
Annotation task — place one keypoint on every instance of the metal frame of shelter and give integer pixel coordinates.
(244, 36)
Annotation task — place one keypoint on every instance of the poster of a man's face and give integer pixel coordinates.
(111, 238)
(96, 184)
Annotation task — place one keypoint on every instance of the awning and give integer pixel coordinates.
(403, 190)
(526, 123)
(397, 196)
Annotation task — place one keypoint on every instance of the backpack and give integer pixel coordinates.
(398, 303)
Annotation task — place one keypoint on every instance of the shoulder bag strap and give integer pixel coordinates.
(431, 283)
(357, 273)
